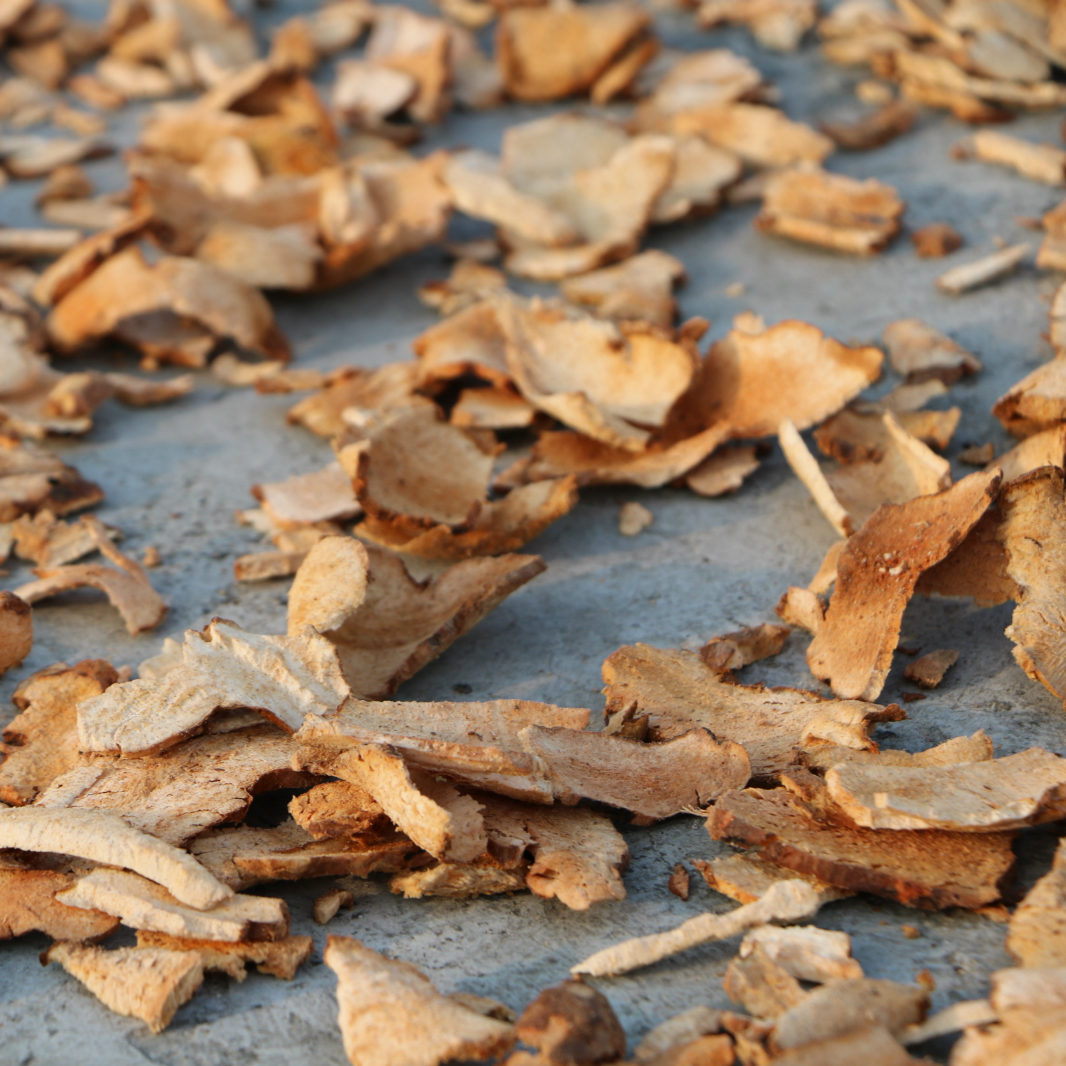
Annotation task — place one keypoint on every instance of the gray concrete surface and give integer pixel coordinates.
(173, 477)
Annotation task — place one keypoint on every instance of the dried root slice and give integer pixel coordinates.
(1037, 933)
(16, 630)
(337, 809)
(677, 690)
(874, 129)
(920, 352)
(678, 1032)
(262, 566)
(390, 1013)
(103, 837)
(776, 24)
(283, 678)
(982, 271)
(145, 983)
(278, 958)
(1036, 403)
(960, 1015)
(385, 625)
(723, 471)
(468, 282)
(975, 748)
(838, 212)
(758, 984)
(455, 880)
(1033, 508)
(492, 408)
(140, 904)
(1040, 162)
(749, 645)
(28, 903)
(936, 240)
(352, 387)
(1046, 448)
(32, 479)
(931, 869)
(929, 670)
(126, 584)
(806, 468)
(322, 496)
(572, 1022)
(244, 857)
(41, 742)
(805, 951)
(640, 287)
(881, 565)
(329, 903)
(981, 797)
(746, 878)
(787, 901)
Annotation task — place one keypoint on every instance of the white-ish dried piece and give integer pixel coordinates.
(640, 287)
(805, 951)
(33, 243)
(1040, 162)
(677, 1031)
(145, 983)
(982, 271)
(390, 1013)
(806, 468)
(981, 797)
(141, 904)
(324, 495)
(920, 352)
(633, 517)
(787, 901)
(962, 1015)
(329, 903)
(103, 837)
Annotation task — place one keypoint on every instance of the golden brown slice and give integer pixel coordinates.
(385, 625)
(16, 632)
(929, 670)
(640, 287)
(145, 983)
(919, 352)
(28, 903)
(930, 869)
(982, 797)
(881, 565)
(572, 1022)
(390, 1013)
(1037, 933)
(838, 212)
(736, 650)
(776, 24)
(745, 877)
(677, 690)
(804, 951)
(1036, 403)
(336, 809)
(41, 742)
(279, 958)
(140, 904)
(455, 880)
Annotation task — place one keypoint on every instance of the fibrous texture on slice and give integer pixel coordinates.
(876, 576)
(677, 690)
(140, 904)
(982, 797)
(1035, 403)
(459, 880)
(27, 903)
(284, 678)
(1037, 934)
(1033, 511)
(335, 809)
(931, 869)
(385, 625)
(126, 584)
(279, 958)
(859, 217)
(145, 983)
(42, 741)
(103, 837)
(189, 788)
(390, 1013)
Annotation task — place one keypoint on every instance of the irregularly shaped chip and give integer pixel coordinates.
(919, 352)
(28, 903)
(279, 958)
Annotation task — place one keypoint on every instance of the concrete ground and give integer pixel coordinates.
(173, 477)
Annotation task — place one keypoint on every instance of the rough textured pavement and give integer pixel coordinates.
(173, 477)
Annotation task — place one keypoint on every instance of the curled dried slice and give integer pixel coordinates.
(145, 983)
(384, 624)
(105, 838)
(28, 903)
(126, 584)
(140, 904)
(920, 352)
(389, 386)
(1036, 403)
(32, 479)
(881, 565)
(279, 958)
(390, 1013)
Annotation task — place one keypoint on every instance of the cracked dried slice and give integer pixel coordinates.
(177, 795)
(140, 904)
(1036, 403)
(762, 987)
(437, 818)
(146, 304)
(41, 742)
(456, 880)
(981, 797)
(279, 958)
(858, 217)
(930, 869)
(32, 479)
(385, 625)
(243, 857)
(49, 541)
(388, 386)
(469, 342)
(28, 903)
(1037, 933)
(145, 983)
(594, 378)
(391, 1015)
(283, 678)
(919, 352)
(103, 837)
(1033, 510)
(337, 809)
(876, 577)
(677, 690)
(805, 951)
(550, 53)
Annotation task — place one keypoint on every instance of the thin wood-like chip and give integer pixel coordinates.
(882, 563)
(336, 809)
(919, 352)
(637, 288)
(105, 838)
(572, 1022)
(28, 903)
(678, 690)
(982, 271)
(279, 958)
(929, 670)
(1036, 403)
(454, 880)
(390, 1013)
(931, 869)
(1040, 162)
(328, 904)
(805, 951)
(1037, 933)
(762, 987)
(746, 878)
(145, 983)
(16, 633)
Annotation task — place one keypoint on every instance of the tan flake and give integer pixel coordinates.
(336, 809)
(982, 271)
(16, 632)
(1039, 162)
(936, 240)
(677, 1032)
(640, 287)
(329, 903)
(762, 987)
(776, 24)
(723, 471)
(468, 282)
(378, 390)
(572, 1022)
(1037, 934)
(28, 903)
(390, 1013)
(736, 650)
(804, 951)
(745, 877)
(1046, 448)
(453, 880)
(322, 496)
(875, 128)
(145, 983)
(1036, 403)
(975, 748)
(929, 670)
(919, 352)
(279, 958)
(633, 518)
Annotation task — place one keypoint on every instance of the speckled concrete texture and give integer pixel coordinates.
(175, 475)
